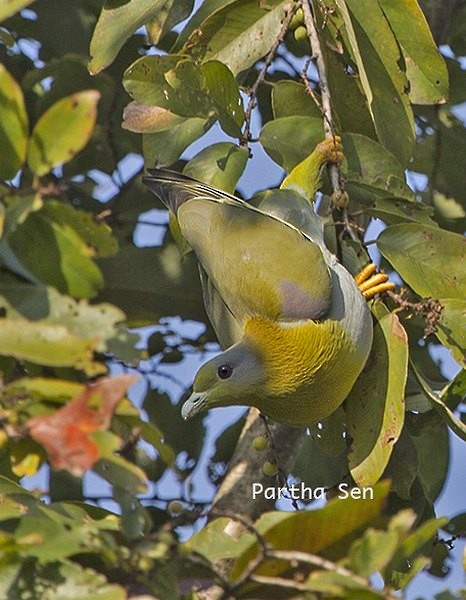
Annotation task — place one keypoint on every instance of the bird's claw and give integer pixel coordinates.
(331, 150)
(371, 283)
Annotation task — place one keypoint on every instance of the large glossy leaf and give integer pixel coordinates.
(338, 522)
(219, 165)
(204, 11)
(431, 260)
(370, 166)
(46, 328)
(167, 17)
(165, 147)
(57, 251)
(376, 55)
(240, 33)
(224, 94)
(425, 67)
(375, 406)
(439, 402)
(62, 131)
(451, 329)
(290, 99)
(433, 466)
(175, 83)
(13, 125)
(289, 140)
(401, 210)
(117, 21)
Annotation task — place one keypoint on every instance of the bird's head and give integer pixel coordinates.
(234, 377)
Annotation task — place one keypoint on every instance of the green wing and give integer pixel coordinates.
(257, 263)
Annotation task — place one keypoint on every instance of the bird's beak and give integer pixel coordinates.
(194, 404)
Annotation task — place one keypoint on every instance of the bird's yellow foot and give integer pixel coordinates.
(371, 283)
(331, 150)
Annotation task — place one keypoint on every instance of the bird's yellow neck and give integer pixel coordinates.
(307, 358)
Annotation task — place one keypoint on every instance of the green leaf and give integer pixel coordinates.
(61, 580)
(219, 165)
(238, 34)
(151, 434)
(62, 131)
(172, 13)
(10, 7)
(340, 521)
(289, 140)
(166, 147)
(431, 260)
(372, 551)
(115, 469)
(45, 344)
(375, 406)
(451, 329)
(46, 328)
(145, 80)
(290, 99)
(369, 166)
(224, 93)
(55, 246)
(437, 402)
(13, 124)
(425, 67)
(401, 210)
(377, 56)
(409, 550)
(177, 84)
(214, 543)
(433, 466)
(116, 23)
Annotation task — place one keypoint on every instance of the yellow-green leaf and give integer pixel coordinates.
(338, 522)
(116, 23)
(62, 131)
(425, 67)
(431, 260)
(375, 406)
(451, 329)
(13, 124)
(10, 7)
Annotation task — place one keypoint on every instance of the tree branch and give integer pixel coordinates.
(326, 101)
(263, 72)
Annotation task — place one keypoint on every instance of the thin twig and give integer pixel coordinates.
(281, 477)
(316, 561)
(326, 102)
(263, 72)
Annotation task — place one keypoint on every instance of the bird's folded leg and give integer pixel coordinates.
(371, 283)
(331, 150)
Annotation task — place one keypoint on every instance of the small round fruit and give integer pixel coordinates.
(300, 34)
(297, 19)
(269, 468)
(260, 443)
(175, 508)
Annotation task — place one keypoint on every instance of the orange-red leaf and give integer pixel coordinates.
(67, 433)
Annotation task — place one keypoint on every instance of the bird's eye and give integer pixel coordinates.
(224, 372)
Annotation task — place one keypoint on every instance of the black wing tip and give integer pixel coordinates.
(171, 187)
(165, 175)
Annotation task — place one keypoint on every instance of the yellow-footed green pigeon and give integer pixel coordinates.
(294, 325)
